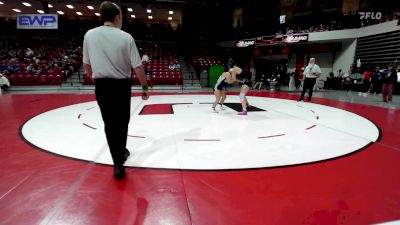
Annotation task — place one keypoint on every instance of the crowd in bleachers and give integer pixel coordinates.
(160, 63)
(162, 66)
(205, 61)
(50, 60)
(39, 64)
(203, 55)
(365, 80)
(352, 18)
(53, 62)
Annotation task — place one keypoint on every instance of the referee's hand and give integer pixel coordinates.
(145, 95)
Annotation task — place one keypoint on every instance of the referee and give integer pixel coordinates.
(311, 73)
(108, 55)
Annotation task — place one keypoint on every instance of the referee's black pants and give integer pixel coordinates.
(308, 84)
(114, 99)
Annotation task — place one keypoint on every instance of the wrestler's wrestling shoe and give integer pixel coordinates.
(243, 113)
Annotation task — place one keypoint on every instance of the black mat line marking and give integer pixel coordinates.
(202, 139)
(136, 136)
(271, 136)
(238, 107)
(311, 127)
(94, 128)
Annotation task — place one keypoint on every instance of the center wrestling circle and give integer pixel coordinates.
(182, 132)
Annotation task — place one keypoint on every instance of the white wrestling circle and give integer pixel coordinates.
(193, 137)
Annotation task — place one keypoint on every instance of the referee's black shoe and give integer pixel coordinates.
(126, 156)
(119, 172)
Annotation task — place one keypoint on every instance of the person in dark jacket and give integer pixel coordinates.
(376, 81)
(389, 79)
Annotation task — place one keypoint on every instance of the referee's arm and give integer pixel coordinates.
(86, 61)
(136, 63)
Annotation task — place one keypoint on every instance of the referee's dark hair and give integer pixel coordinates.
(108, 11)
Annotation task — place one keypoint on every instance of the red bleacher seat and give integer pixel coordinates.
(50, 79)
(57, 79)
(35, 79)
(42, 79)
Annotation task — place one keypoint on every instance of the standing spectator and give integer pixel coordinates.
(108, 55)
(389, 79)
(4, 82)
(367, 76)
(376, 82)
(311, 73)
(292, 82)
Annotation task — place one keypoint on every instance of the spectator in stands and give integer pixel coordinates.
(389, 79)
(230, 64)
(67, 66)
(36, 60)
(28, 53)
(12, 53)
(3, 67)
(42, 52)
(148, 70)
(145, 58)
(4, 82)
(289, 31)
(311, 73)
(339, 73)
(109, 64)
(260, 82)
(271, 82)
(56, 69)
(347, 83)
(33, 67)
(16, 66)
